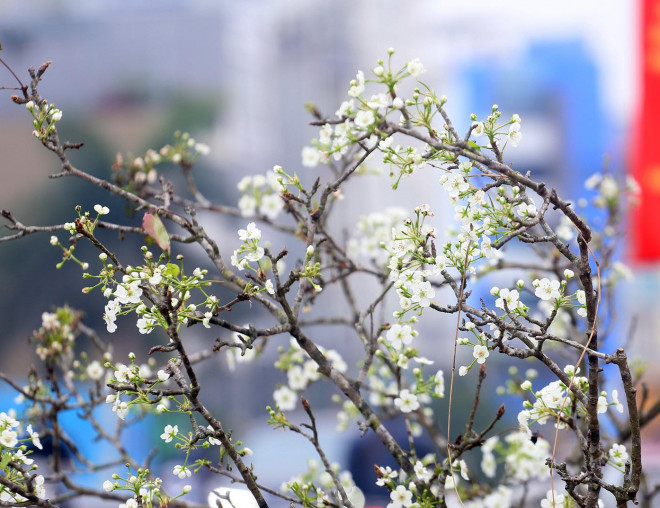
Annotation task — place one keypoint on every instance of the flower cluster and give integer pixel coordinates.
(135, 375)
(362, 115)
(610, 190)
(524, 459)
(405, 491)
(145, 490)
(316, 487)
(144, 282)
(57, 334)
(135, 172)
(410, 251)
(16, 463)
(45, 117)
(260, 194)
(86, 224)
(497, 133)
(250, 251)
(555, 402)
(300, 371)
(373, 231)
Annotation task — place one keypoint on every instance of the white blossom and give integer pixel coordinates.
(415, 67)
(285, 398)
(406, 402)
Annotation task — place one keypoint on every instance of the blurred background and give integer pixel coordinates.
(236, 76)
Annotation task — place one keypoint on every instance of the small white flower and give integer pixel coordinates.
(615, 399)
(271, 206)
(553, 500)
(108, 486)
(202, 148)
(247, 205)
(163, 375)
(101, 210)
(95, 370)
(514, 134)
(401, 497)
(345, 108)
(609, 188)
(439, 389)
(582, 300)
(157, 276)
(146, 324)
(35, 437)
(547, 289)
(478, 129)
(422, 473)
(269, 287)
(511, 297)
(20, 456)
(8, 438)
(364, 119)
(169, 433)
(251, 232)
(54, 240)
(480, 353)
(285, 398)
(207, 319)
(49, 320)
(297, 378)
(357, 85)
(618, 454)
(464, 470)
(462, 370)
(415, 67)
(128, 293)
(310, 156)
(182, 472)
(406, 402)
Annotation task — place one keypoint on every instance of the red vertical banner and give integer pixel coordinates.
(646, 138)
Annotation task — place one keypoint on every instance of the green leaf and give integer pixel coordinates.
(6, 457)
(171, 270)
(474, 145)
(154, 228)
